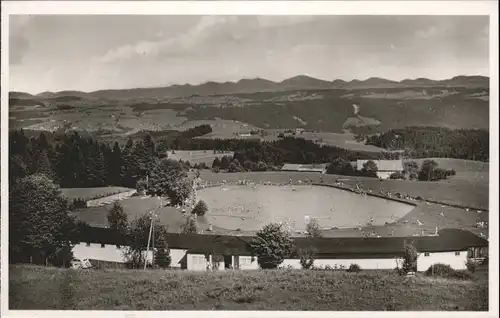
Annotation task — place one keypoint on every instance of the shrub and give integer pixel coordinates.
(307, 257)
(410, 259)
(141, 185)
(471, 266)
(397, 176)
(201, 208)
(440, 270)
(354, 268)
(313, 229)
(78, 203)
(190, 226)
(271, 245)
(485, 261)
(462, 275)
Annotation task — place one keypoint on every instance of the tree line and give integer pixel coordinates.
(425, 142)
(41, 231)
(73, 160)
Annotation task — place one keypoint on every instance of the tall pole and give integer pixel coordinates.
(149, 239)
(153, 245)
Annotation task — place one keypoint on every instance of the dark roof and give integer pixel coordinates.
(447, 240)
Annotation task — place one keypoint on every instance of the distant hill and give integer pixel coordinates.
(262, 85)
(20, 95)
(304, 82)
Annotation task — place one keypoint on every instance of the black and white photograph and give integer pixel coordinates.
(249, 160)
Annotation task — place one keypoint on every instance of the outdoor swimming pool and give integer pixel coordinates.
(248, 207)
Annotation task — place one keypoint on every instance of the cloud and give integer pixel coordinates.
(98, 52)
(18, 42)
(183, 44)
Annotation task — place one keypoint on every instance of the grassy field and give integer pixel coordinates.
(134, 207)
(230, 114)
(92, 193)
(240, 290)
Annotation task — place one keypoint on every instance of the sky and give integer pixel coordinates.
(93, 52)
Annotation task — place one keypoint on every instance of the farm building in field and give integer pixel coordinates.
(199, 252)
(385, 167)
(321, 168)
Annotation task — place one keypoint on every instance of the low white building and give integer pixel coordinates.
(320, 168)
(203, 252)
(385, 167)
(452, 247)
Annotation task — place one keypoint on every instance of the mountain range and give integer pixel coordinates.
(301, 82)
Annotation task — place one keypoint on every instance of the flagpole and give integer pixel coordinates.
(149, 239)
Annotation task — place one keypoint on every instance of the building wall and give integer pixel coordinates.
(456, 260)
(375, 263)
(449, 258)
(384, 174)
(199, 262)
(111, 253)
(247, 264)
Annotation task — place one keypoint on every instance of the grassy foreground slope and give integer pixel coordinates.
(239, 290)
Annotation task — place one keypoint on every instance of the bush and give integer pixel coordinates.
(271, 245)
(190, 226)
(201, 208)
(307, 257)
(313, 229)
(462, 275)
(446, 271)
(471, 266)
(397, 176)
(485, 261)
(78, 203)
(440, 270)
(410, 259)
(141, 185)
(354, 268)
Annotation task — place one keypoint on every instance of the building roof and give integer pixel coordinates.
(383, 165)
(447, 240)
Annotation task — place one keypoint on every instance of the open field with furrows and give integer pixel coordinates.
(92, 193)
(241, 290)
(315, 110)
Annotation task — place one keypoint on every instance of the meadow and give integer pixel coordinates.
(92, 193)
(241, 290)
(329, 111)
(134, 207)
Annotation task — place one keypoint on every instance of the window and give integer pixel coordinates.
(88, 244)
(426, 254)
(103, 245)
(457, 253)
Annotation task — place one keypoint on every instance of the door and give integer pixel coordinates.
(228, 262)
